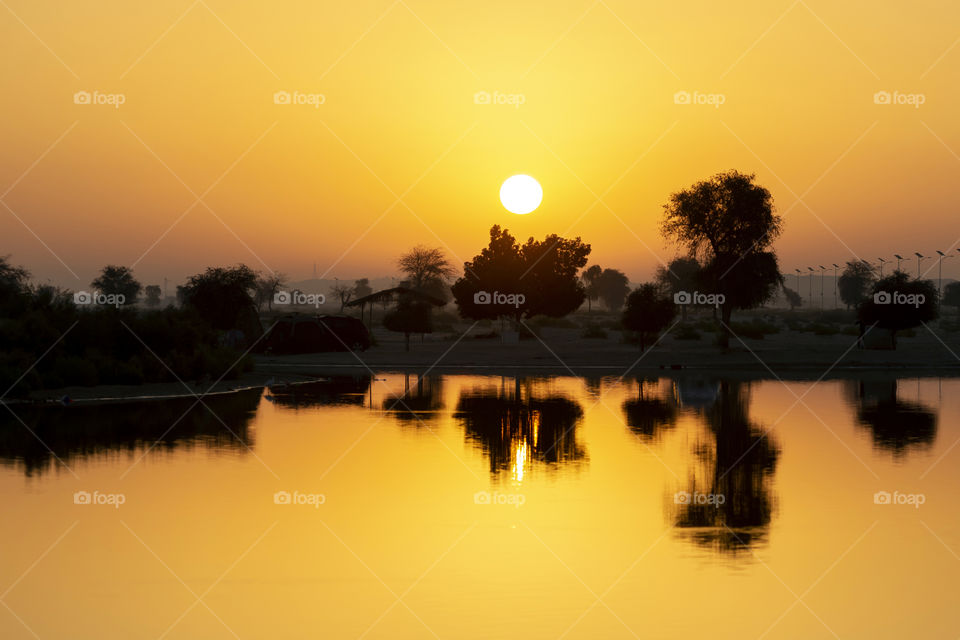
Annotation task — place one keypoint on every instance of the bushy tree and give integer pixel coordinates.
(119, 281)
(728, 222)
(153, 293)
(267, 286)
(223, 297)
(681, 274)
(537, 278)
(409, 316)
(855, 282)
(613, 288)
(648, 312)
(591, 279)
(361, 288)
(793, 298)
(897, 303)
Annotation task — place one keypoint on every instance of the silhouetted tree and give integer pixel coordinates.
(896, 425)
(682, 274)
(855, 282)
(343, 293)
(153, 293)
(729, 222)
(14, 291)
(223, 297)
(268, 285)
(793, 298)
(648, 312)
(427, 270)
(117, 280)
(591, 278)
(361, 288)
(613, 287)
(896, 303)
(540, 275)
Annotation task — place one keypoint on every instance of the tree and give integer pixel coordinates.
(427, 271)
(951, 295)
(590, 278)
(409, 316)
(153, 295)
(613, 287)
(342, 292)
(510, 280)
(361, 288)
(793, 298)
(729, 223)
(648, 312)
(223, 297)
(682, 274)
(14, 291)
(118, 281)
(896, 303)
(267, 287)
(855, 281)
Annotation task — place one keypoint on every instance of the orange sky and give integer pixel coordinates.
(285, 185)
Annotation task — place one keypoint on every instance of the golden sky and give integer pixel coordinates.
(199, 166)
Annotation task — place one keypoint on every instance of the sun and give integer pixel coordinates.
(520, 194)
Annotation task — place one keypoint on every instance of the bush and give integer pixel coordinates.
(593, 331)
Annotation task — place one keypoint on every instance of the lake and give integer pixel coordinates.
(454, 506)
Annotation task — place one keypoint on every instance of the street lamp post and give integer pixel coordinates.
(900, 259)
(941, 255)
(810, 288)
(798, 281)
(836, 288)
(920, 257)
(882, 261)
(822, 271)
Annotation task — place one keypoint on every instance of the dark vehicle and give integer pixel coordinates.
(314, 334)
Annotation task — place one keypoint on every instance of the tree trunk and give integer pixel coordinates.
(726, 311)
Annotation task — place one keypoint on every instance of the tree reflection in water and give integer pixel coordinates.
(649, 415)
(80, 432)
(738, 464)
(332, 390)
(519, 426)
(897, 426)
(419, 403)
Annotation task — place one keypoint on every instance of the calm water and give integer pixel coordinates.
(488, 507)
